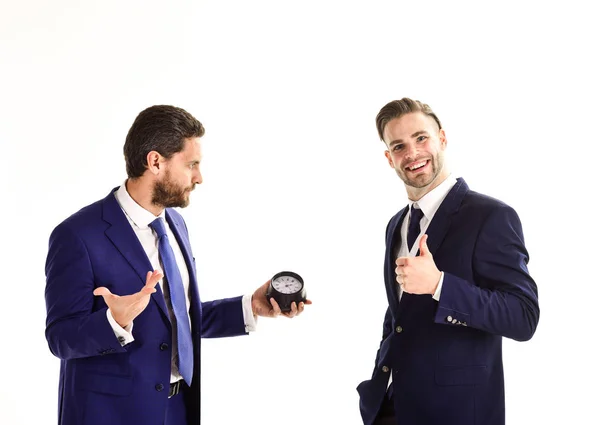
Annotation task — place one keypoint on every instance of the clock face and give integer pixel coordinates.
(287, 284)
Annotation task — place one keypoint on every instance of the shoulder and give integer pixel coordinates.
(485, 204)
(491, 213)
(82, 218)
(89, 218)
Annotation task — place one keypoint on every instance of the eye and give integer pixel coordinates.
(397, 147)
(421, 138)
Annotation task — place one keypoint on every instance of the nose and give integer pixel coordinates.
(411, 152)
(197, 179)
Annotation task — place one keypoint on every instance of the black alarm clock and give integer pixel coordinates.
(286, 288)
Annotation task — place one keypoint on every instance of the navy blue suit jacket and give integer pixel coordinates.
(102, 382)
(446, 356)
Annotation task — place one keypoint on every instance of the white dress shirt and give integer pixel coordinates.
(139, 218)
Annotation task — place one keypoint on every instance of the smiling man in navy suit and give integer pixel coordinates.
(129, 348)
(456, 280)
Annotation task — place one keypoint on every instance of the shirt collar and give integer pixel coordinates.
(432, 200)
(140, 216)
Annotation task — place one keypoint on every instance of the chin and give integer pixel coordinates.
(420, 181)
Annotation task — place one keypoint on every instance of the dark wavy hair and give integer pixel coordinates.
(160, 128)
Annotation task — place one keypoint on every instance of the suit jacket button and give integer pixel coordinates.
(449, 318)
(385, 369)
(164, 346)
(159, 387)
(398, 329)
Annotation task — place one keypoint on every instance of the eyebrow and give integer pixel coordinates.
(415, 134)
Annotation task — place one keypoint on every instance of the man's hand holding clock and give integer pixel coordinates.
(288, 288)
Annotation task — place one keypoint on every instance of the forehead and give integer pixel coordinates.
(192, 149)
(405, 125)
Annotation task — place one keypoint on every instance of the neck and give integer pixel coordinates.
(140, 191)
(416, 193)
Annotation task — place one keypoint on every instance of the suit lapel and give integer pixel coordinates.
(442, 219)
(393, 240)
(125, 240)
(183, 242)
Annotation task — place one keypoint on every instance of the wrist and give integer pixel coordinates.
(437, 283)
(122, 323)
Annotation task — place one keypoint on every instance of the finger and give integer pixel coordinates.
(423, 248)
(401, 261)
(152, 278)
(300, 308)
(399, 280)
(102, 291)
(294, 311)
(147, 290)
(276, 310)
(308, 302)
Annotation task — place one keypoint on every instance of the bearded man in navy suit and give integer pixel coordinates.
(456, 280)
(129, 348)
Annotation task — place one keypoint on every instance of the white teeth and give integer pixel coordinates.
(418, 165)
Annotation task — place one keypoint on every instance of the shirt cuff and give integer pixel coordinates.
(438, 290)
(249, 318)
(124, 335)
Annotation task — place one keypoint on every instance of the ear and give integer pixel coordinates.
(388, 155)
(154, 162)
(443, 140)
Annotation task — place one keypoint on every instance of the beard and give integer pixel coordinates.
(423, 180)
(168, 195)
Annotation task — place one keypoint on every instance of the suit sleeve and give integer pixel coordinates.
(223, 318)
(503, 299)
(73, 328)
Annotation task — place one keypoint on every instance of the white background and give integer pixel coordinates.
(296, 179)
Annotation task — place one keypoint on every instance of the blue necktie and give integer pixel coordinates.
(178, 300)
(414, 226)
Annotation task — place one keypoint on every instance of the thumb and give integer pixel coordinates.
(423, 248)
(102, 291)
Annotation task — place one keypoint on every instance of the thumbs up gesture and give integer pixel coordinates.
(418, 275)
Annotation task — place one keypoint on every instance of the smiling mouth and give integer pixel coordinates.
(416, 166)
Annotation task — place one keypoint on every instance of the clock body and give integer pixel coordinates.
(286, 287)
